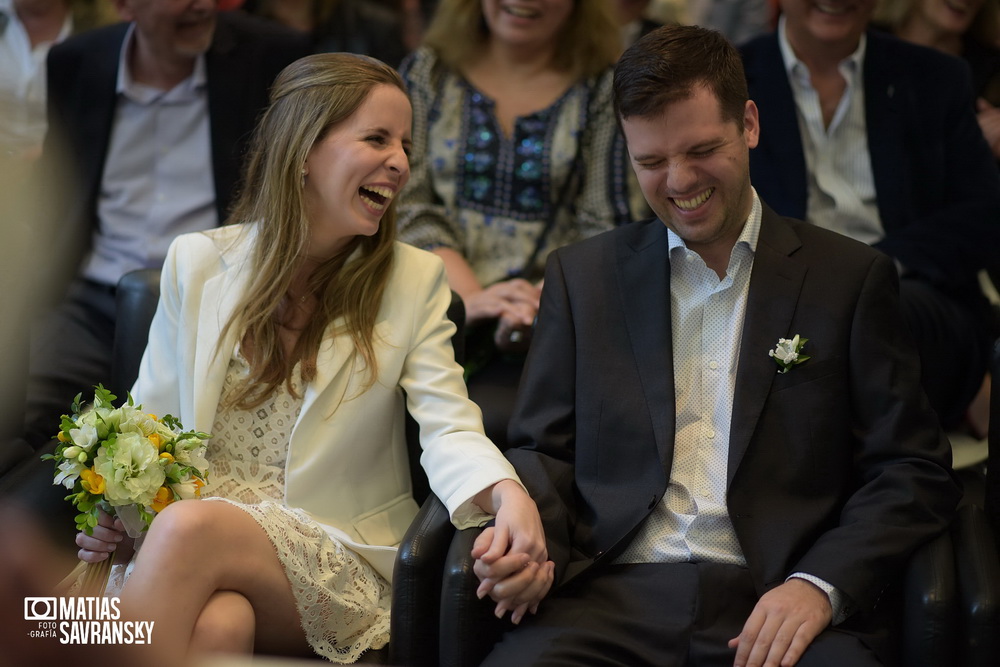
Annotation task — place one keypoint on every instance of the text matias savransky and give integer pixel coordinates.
(84, 620)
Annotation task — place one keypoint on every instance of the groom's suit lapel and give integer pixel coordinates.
(644, 287)
(775, 284)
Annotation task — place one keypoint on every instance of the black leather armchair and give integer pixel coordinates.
(977, 554)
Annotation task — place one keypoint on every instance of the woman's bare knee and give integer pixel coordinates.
(225, 625)
(182, 522)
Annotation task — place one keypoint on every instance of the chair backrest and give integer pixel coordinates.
(137, 296)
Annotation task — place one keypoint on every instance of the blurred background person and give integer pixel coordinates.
(515, 152)
(147, 121)
(738, 20)
(970, 30)
(634, 21)
(888, 152)
(356, 26)
(28, 28)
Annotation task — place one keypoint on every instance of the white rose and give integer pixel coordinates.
(131, 470)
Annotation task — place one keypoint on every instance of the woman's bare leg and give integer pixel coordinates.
(194, 550)
(227, 624)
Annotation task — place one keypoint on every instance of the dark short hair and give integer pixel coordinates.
(668, 63)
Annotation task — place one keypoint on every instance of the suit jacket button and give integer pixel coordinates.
(652, 502)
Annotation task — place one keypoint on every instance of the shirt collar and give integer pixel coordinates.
(797, 69)
(748, 235)
(137, 92)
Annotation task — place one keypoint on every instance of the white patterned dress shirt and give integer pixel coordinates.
(158, 181)
(841, 187)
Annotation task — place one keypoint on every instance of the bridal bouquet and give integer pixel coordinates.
(129, 463)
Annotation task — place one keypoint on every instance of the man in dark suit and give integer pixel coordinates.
(877, 138)
(148, 120)
(720, 419)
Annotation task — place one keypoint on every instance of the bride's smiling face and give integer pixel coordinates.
(355, 171)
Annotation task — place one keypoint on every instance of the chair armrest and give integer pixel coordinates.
(416, 586)
(468, 627)
(930, 605)
(977, 561)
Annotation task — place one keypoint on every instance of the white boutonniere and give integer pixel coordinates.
(788, 352)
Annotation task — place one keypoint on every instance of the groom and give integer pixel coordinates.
(705, 504)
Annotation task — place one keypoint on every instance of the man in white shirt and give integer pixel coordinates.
(147, 122)
(720, 419)
(877, 139)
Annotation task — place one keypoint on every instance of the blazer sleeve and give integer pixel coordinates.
(157, 386)
(459, 459)
(905, 490)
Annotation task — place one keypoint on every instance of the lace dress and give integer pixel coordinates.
(343, 603)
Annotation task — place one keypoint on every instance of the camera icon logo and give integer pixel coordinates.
(40, 609)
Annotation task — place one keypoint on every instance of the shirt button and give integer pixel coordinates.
(713, 365)
(711, 434)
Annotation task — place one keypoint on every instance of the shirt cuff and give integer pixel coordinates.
(839, 601)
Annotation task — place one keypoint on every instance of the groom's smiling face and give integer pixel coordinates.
(693, 167)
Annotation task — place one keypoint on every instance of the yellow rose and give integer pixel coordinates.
(155, 439)
(168, 456)
(92, 482)
(164, 496)
(62, 437)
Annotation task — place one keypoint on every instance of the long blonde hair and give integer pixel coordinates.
(588, 44)
(309, 98)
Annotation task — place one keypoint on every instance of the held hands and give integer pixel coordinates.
(511, 559)
(782, 625)
(108, 536)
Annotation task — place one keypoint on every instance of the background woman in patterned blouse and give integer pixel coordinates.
(515, 153)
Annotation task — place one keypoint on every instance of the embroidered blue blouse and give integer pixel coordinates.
(489, 196)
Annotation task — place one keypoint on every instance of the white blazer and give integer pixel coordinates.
(347, 462)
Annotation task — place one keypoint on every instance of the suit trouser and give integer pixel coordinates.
(71, 351)
(953, 342)
(662, 614)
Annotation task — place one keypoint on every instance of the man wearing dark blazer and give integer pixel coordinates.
(897, 160)
(148, 121)
(720, 419)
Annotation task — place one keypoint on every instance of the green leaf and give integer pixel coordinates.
(104, 397)
(75, 407)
